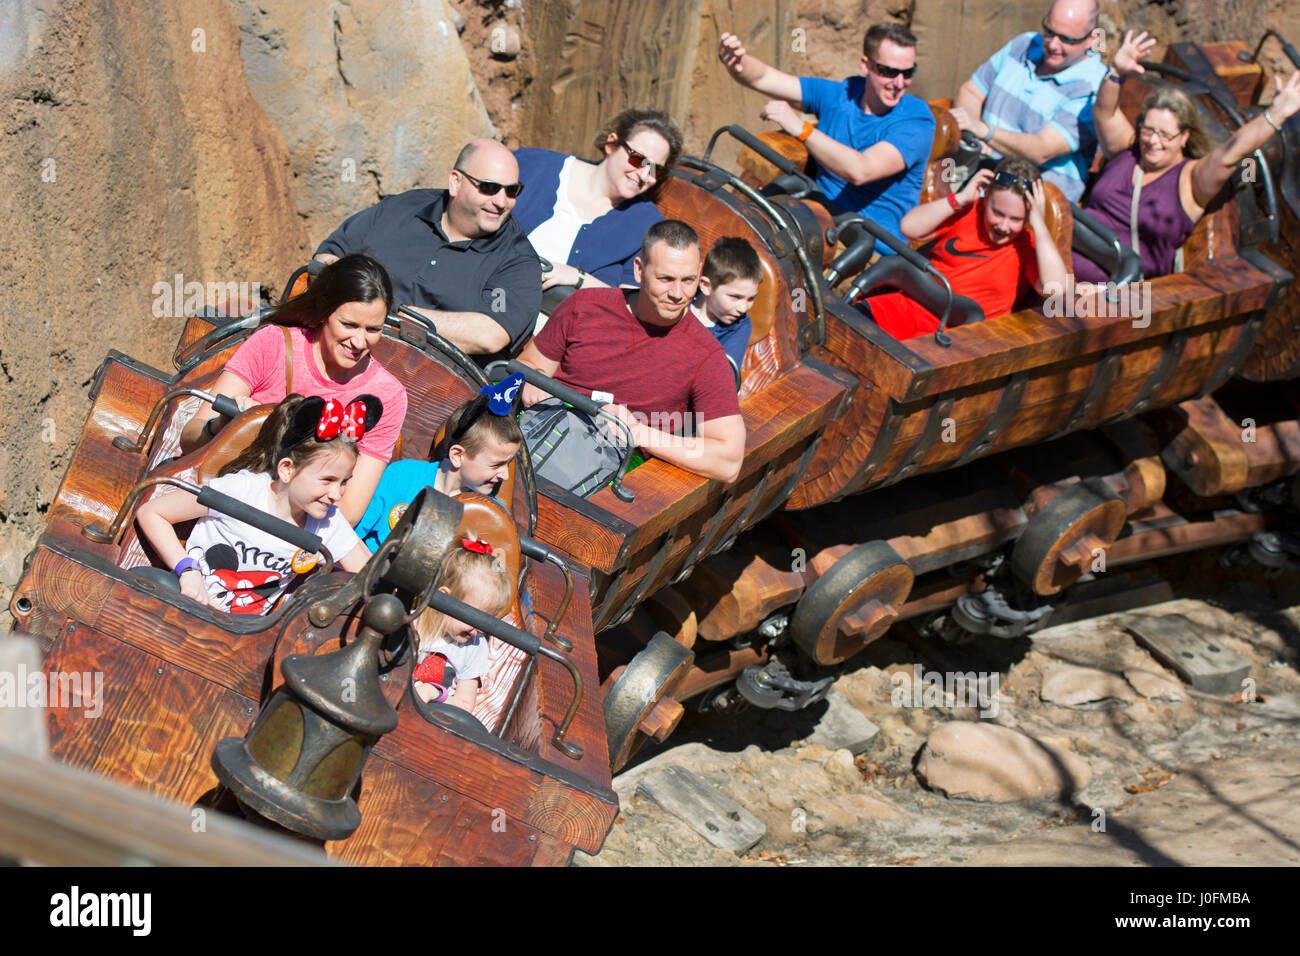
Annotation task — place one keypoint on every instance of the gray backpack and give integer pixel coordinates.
(570, 449)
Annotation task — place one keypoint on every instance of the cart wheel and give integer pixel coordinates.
(1058, 543)
(649, 677)
(851, 604)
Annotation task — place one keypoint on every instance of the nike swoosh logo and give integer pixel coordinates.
(951, 247)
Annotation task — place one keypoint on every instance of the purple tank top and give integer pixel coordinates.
(1163, 224)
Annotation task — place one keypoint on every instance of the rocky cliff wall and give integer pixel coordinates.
(131, 151)
(372, 98)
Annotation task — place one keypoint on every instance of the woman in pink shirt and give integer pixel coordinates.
(329, 330)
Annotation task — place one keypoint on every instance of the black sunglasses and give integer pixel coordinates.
(640, 160)
(1048, 33)
(889, 72)
(489, 188)
(1005, 179)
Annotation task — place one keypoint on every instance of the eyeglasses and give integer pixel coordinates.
(489, 188)
(1149, 131)
(1005, 179)
(641, 160)
(889, 72)
(1048, 33)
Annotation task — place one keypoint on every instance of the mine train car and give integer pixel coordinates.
(302, 717)
(971, 480)
(979, 476)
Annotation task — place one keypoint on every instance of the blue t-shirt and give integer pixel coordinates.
(909, 127)
(402, 481)
(734, 338)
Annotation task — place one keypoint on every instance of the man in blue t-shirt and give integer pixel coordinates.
(872, 140)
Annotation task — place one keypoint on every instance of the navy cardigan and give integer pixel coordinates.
(605, 247)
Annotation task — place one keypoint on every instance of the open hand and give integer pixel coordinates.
(964, 120)
(974, 187)
(561, 274)
(731, 53)
(783, 115)
(1037, 206)
(1286, 99)
(1131, 52)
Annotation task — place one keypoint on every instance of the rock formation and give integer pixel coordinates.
(131, 152)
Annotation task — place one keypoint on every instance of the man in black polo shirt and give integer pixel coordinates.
(456, 254)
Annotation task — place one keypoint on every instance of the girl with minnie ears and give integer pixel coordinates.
(296, 469)
(452, 655)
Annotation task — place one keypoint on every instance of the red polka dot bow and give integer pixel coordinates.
(335, 420)
(477, 545)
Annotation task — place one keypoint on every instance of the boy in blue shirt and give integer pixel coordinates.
(728, 284)
(474, 455)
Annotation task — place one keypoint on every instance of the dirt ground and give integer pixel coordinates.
(1205, 780)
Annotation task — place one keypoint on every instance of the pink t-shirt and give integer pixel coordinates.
(601, 346)
(260, 363)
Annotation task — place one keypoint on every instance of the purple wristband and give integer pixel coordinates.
(186, 564)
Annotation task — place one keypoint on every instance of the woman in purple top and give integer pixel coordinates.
(1179, 173)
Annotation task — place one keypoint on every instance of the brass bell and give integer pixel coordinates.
(301, 760)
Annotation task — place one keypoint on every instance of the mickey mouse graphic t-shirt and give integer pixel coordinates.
(245, 569)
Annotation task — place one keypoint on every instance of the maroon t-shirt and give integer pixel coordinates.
(601, 346)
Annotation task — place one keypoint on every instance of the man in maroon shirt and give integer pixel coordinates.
(649, 360)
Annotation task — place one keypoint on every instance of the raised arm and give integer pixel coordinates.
(1210, 173)
(751, 72)
(1051, 267)
(854, 167)
(924, 220)
(1114, 131)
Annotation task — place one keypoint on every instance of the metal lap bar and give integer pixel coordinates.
(933, 426)
(998, 421)
(526, 642)
(1088, 404)
(1160, 377)
(193, 353)
(155, 414)
(1245, 342)
(561, 642)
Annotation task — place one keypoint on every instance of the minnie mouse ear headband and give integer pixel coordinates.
(499, 399)
(324, 419)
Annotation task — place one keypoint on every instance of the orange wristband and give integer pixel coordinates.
(806, 131)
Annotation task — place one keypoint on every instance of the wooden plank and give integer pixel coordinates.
(1196, 657)
(707, 811)
(60, 816)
